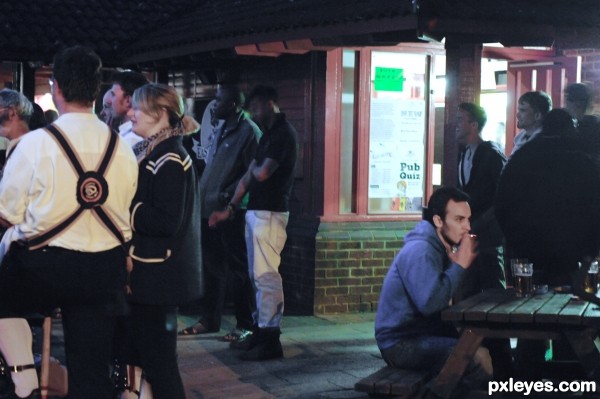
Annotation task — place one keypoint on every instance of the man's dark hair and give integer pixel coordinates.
(476, 114)
(438, 202)
(581, 93)
(78, 72)
(129, 81)
(538, 100)
(263, 93)
(558, 123)
(38, 119)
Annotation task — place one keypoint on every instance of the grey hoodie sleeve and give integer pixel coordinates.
(429, 285)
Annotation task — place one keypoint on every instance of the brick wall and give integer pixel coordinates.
(298, 265)
(351, 260)
(590, 70)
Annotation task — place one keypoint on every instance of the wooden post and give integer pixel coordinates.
(45, 374)
(463, 84)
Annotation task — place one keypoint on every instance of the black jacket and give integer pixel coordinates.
(230, 154)
(165, 218)
(488, 162)
(548, 205)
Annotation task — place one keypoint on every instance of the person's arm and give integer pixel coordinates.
(242, 188)
(265, 170)
(246, 156)
(16, 184)
(255, 172)
(430, 285)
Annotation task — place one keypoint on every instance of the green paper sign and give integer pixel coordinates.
(389, 79)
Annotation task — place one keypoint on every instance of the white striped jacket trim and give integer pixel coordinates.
(148, 260)
(154, 166)
(132, 217)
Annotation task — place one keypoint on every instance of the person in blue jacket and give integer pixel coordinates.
(423, 277)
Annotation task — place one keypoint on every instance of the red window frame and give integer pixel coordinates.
(331, 209)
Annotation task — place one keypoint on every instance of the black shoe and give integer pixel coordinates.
(245, 342)
(35, 394)
(267, 346)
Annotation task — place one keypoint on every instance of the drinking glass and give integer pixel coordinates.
(522, 271)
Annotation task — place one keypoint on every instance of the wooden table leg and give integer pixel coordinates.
(583, 344)
(457, 363)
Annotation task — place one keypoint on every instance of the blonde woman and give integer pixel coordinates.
(165, 249)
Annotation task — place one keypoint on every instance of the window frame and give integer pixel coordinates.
(332, 142)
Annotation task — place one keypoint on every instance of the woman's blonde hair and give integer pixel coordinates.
(152, 98)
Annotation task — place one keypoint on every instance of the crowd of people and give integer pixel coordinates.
(542, 203)
(120, 218)
(111, 219)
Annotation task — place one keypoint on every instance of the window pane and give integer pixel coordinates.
(397, 132)
(348, 135)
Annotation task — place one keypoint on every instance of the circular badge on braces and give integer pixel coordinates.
(92, 190)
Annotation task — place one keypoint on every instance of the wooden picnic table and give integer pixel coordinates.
(500, 314)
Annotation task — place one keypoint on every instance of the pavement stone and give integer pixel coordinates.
(324, 357)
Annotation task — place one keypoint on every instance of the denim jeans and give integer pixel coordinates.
(265, 239)
(431, 352)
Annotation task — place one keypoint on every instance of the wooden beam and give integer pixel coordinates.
(487, 27)
(271, 47)
(253, 49)
(517, 53)
(463, 84)
(154, 47)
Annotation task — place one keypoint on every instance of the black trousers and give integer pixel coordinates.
(89, 289)
(151, 341)
(225, 259)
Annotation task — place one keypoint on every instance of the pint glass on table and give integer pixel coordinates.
(590, 284)
(523, 277)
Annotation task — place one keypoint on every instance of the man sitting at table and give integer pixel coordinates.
(419, 285)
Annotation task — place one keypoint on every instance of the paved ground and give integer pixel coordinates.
(324, 357)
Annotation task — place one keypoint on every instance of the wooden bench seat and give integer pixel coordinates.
(393, 383)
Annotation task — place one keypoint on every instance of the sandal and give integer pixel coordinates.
(196, 329)
(236, 334)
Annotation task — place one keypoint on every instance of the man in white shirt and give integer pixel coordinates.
(66, 194)
(119, 100)
(533, 108)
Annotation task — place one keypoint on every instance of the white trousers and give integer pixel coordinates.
(265, 239)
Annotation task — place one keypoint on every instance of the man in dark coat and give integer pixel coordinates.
(224, 248)
(548, 205)
(479, 168)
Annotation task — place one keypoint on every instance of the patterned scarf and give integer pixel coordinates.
(146, 146)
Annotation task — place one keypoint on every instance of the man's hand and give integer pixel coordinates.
(217, 217)
(466, 253)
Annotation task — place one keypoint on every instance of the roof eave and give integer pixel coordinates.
(140, 52)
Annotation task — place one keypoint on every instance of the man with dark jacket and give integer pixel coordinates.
(480, 165)
(479, 168)
(224, 249)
